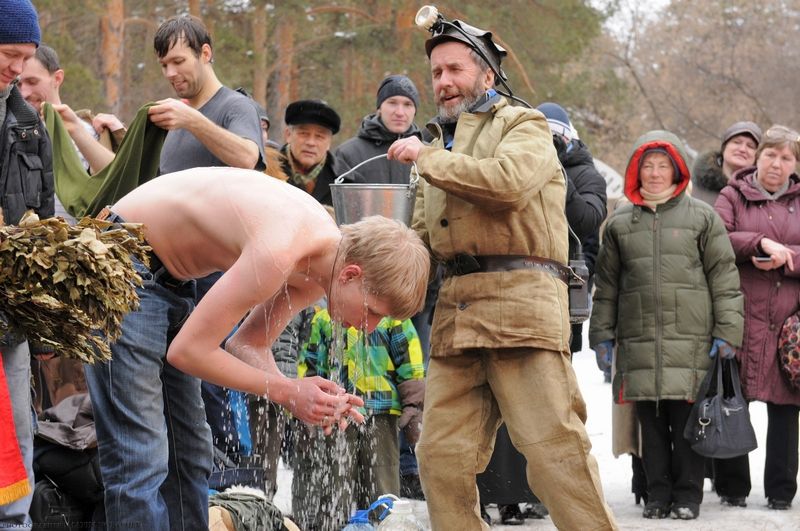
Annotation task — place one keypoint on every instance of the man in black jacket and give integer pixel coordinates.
(586, 193)
(26, 183)
(396, 107)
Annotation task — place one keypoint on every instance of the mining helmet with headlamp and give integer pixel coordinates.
(476, 38)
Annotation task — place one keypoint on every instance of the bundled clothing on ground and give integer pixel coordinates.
(666, 286)
(373, 139)
(362, 462)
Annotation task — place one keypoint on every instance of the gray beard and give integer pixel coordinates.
(451, 114)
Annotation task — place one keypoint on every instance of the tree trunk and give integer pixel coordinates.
(260, 47)
(111, 45)
(195, 9)
(285, 58)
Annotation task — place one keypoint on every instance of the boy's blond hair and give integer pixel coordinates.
(395, 262)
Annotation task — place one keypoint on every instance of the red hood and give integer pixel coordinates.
(632, 172)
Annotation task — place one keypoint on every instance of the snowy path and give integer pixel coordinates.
(616, 476)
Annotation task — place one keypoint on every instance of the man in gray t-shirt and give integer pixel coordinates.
(229, 110)
(210, 125)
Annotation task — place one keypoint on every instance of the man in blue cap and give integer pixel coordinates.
(25, 145)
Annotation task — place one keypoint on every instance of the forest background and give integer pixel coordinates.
(619, 67)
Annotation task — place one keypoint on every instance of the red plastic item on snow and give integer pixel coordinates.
(789, 350)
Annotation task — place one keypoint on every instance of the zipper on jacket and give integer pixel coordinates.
(657, 287)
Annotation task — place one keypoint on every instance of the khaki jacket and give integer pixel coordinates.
(500, 191)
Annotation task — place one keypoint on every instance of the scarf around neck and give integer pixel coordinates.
(653, 200)
(305, 180)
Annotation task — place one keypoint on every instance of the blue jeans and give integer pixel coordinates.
(17, 366)
(153, 439)
(408, 459)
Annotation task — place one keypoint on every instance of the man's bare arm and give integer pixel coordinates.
(195, 350)
(230, 148)
(95, 153)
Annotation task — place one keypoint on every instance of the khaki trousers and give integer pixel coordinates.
(535, 392)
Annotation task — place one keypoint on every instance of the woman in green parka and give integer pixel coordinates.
(667, 295)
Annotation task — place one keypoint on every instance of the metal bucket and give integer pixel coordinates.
(355, 201)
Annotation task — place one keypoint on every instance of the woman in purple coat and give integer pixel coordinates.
(761, 210)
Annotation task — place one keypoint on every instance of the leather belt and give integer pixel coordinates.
(160, 273)
(464, 264)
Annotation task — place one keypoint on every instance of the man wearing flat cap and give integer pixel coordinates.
(491, 208)
(310, 126)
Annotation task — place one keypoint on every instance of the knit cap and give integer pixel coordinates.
(19, 23)
(741, 128)
(557, 119)
(397, 85)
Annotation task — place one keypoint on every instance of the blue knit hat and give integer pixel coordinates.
(19, 23)
(557, 119)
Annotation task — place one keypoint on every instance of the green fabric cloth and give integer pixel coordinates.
(135, 163)
(303, 179)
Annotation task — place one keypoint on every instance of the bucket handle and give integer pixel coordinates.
(414, 177)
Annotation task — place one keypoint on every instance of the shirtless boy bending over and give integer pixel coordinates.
(280, 252)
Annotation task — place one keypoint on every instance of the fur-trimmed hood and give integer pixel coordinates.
(707, 172)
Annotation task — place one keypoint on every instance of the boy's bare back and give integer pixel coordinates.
(276, 246)
(202, 220)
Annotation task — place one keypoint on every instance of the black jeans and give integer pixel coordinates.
(732, 476)
(674, 471)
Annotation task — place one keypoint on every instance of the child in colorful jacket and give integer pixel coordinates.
(386, 369)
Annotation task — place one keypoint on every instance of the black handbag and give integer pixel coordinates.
(55, 510)
(719, 422)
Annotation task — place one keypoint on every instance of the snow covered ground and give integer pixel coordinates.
(616, 476)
